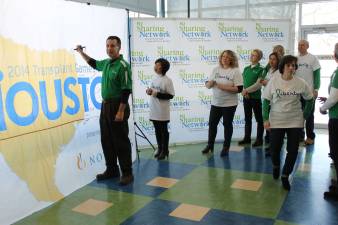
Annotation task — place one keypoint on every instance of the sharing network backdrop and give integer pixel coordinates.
(193, 46)
(50, 100)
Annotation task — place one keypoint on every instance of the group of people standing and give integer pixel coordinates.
(290, 88)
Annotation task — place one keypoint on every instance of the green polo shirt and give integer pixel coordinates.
(333, 111)
(250, 76)
(116, 76)
(265, 71)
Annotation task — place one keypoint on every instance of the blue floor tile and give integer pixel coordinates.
(144, 171)
(246, 160)
(305, 203)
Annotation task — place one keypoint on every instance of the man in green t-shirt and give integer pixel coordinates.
(331, 104)
(115, 90)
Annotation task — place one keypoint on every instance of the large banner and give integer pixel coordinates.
(193, 46)
(50, 100)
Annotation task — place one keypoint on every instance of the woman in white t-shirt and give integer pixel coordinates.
(161, 91)
(226, 82)
(283, 114)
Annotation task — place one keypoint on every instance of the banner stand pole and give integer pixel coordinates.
(142, 135)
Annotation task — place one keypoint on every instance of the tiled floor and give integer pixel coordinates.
(191, 188)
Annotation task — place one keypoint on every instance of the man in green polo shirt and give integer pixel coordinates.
(115, 90)
(331, 104)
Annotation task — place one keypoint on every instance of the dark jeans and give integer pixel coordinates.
(309, 123)
(162, 135)
(276, 143)
(114, 137)
(254, 105)
(216, 113)
(333, 142)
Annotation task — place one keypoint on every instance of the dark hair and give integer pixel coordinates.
(277, 57)
(118, 40)
(336, 51)
(287, 60)
(165, 65)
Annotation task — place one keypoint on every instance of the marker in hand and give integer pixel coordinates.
(79, 47)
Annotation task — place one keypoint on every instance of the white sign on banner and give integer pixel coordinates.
(50, 100)
(193, 46)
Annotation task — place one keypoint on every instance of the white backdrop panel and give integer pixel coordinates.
(192, 46)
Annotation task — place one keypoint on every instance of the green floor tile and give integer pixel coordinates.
(60, 213)
(211, 187)
(188, 154)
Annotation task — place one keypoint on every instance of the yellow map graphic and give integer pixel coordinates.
(31, 151)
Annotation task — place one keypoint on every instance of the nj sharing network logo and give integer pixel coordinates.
(194, 32)
(151, 33)
(232, 32)
(269, 33)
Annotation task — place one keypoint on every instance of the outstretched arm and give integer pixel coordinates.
(87, 58)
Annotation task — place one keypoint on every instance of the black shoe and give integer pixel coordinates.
(163, 155)
(333, 195)
(257, 143)
(225, 151)
(126, 179)
(208, 149)
(108, 174)
(275, 173)
(244, 141)
(286, 183)
(157, 153)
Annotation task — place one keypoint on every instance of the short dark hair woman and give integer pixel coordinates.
(282, 96)
(161, 91)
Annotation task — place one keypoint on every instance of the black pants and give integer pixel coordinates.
(216, 113)
(309, 123)
(162, 135)
(333, 142)
(254, 105)
(267, 136)
(276, 143)
(114, 137)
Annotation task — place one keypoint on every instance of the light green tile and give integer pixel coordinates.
(60, 213)
(211, 187)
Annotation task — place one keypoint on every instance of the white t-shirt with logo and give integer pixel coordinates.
(306, 65)
(284, 96)
(160, 108)
(229, 76)
(271, 74)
